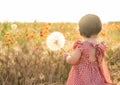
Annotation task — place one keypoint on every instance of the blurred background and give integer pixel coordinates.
(24, 26)
(57, 10)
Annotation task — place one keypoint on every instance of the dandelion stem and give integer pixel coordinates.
(63, 50)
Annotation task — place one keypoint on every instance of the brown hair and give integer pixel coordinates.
(89, 24)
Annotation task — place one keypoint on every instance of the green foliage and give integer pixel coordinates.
(6, 27)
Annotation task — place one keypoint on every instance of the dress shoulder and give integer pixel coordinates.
(102, 45)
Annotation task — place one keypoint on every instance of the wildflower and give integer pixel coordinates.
(13, 26)
(103, 33)
(17, 49)
(7, 44)
(37, 48)
(7, 34)
(55, 41)
(42, 76)
(17, 36)
(61, 25)
(28, 38)
(49, 24)
(27, 35)
(32, 35)
(41, 34)
(10, 39)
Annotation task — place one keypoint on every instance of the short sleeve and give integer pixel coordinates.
(78, 44)
(100, 49)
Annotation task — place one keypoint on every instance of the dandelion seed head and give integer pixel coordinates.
(55, 41)
(14, 26)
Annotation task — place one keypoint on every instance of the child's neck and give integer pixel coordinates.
(92, 39)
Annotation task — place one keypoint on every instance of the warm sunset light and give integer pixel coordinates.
(59, 42)
(57, 10)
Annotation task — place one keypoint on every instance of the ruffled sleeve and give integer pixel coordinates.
(100, 50)
(78, 44)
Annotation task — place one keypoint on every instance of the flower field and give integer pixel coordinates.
(26, 60)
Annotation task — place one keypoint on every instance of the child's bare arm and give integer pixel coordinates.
(74, 57)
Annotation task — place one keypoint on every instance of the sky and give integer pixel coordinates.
(58, 10)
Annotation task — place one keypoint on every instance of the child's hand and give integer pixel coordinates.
(66, 55)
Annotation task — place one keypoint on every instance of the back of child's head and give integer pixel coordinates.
(89, 25)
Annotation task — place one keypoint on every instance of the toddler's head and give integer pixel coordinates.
(89, 25)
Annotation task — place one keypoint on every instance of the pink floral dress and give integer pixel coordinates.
(86, 72)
